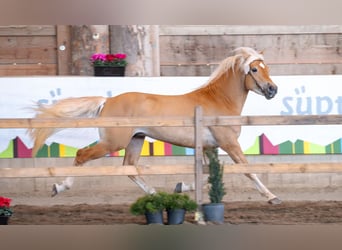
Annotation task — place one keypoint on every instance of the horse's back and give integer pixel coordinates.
(145, 104)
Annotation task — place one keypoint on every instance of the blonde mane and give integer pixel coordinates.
(243, 55)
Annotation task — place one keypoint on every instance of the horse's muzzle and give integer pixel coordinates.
(270, 91)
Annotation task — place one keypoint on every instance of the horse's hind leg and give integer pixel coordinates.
(132, 155)
(83, 155)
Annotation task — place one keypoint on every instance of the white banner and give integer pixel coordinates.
(297, 95)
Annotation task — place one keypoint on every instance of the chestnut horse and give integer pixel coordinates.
(223, 95)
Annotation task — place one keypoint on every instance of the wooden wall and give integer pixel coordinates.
(289, 50)
(185, 50)
(32, 50)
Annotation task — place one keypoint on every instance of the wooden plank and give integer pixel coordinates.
(307, 48)
(198, 155)
(64, 61)
(28, 30)
(275, 69)
(282, 168)
(202, 30)
(33, 49)
(271, 168)
(153, 121)
(28, 69)
(96, 171)
(96, 122)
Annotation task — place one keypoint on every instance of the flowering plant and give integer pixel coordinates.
(99, 59)
(5, 206)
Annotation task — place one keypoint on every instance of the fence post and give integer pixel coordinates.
(199, 162)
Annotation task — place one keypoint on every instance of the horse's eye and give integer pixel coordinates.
(254, 70)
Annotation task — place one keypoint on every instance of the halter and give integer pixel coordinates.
(249, 70)
(246, 67)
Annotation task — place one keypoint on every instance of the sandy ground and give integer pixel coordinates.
(253, 212)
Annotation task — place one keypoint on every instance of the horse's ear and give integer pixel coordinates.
(262, 52)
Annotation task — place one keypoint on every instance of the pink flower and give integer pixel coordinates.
(110, 57)
(120, 56)
(99, 56)
(5, 202)
(100, 59)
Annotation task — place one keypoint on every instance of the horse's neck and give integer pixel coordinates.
(230, 91)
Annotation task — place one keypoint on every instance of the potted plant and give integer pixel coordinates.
(109, 64)
(214, 211)
(176, 206)
(150, 205)
(5, 210)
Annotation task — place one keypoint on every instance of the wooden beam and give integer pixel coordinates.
(64, 63)
(192, 30)
(170, 121)
(198, 155)
(28, 69)
(28, 30)
(95, 171)
(283, 168)
(258, 168)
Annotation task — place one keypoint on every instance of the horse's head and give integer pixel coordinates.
(257, 78)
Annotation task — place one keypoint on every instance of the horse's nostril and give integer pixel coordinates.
(272, 89)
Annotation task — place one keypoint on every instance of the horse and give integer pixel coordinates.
(224, 94)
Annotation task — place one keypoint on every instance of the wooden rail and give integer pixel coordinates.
(171, 121)
(198, 122)
(171, 169)
(323, 167)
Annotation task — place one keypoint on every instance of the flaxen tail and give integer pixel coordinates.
(86, 107)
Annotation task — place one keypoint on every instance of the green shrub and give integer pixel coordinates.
(149, 203)
(180, 201)
(217, 190)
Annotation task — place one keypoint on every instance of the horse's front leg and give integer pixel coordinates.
(231, 145)
(237, 156)
(82, 156)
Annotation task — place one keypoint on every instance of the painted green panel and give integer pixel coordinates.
(176, 150)
(299, 147)
(286, 148)
(336, 147)
(54, 150)
(43, 152)
(316, 149)
(8, 152)
(255, 148)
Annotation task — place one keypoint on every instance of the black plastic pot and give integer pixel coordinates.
(109, 71)
(154, 218)
(175, 216)
(213, 212)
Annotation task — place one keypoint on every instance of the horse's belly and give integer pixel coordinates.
(179, 136)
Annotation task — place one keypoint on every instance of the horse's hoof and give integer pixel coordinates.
(54, 191)
(274, 201)
(178, 188)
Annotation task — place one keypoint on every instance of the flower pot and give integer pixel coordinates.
(154, 218)
(4, 220)
(109, 71)
(214, 212)
(175, 216)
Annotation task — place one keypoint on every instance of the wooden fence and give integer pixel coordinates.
(198, 122)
